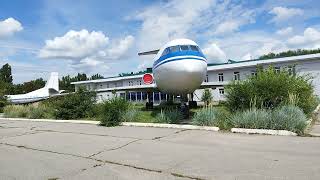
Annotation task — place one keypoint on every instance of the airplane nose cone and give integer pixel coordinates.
(180, 77)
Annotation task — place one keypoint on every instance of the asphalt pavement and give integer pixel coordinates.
(45, 150)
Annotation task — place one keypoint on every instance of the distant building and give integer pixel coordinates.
(133, 89)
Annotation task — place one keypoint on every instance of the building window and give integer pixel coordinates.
(130, 83)
(221, 91)
(108, 86)
(139, 82)
(236, 76)
(220, 77)
(207, 78)
(253, 73)
(291, 70)
(277, 69)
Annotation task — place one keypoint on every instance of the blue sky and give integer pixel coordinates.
(96, 36)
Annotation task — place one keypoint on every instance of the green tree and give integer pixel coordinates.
(289, 53)
(5, 74)
(270, 89)
(206, 96)
(3, 99)
(96, 76)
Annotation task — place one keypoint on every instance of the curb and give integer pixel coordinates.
(264, 131)
(53, 120)
(175, 126)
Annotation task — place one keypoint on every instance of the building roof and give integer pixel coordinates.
(231, 64)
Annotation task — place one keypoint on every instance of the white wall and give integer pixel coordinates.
(305, 67)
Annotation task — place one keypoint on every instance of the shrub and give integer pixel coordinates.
(130, 115)
(3, 103)
(112, 111)
(74, 106)
(206, 96)
(15, 111)
(290, 118)
(270, 89)
(212, 116)
(170, 116)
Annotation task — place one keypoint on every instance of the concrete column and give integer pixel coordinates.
(136, 96)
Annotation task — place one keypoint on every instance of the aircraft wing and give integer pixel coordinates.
(149, 52)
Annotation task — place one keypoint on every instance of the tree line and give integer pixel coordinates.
(289, 53)
(7, 86)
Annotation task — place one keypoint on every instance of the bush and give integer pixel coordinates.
(270, 89)
(212, 116)
(3, 103)
(74, 106)
(170, 116)
(112, 111)
(252, 119)
(289, 118)
(131, 115)
(206, 96)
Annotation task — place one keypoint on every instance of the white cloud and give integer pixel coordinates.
(248, 56)
(214, 53)
(282, 13)
(119, 50)
(86, 50)
(227, 27)
(309, 39)
(74, 45)
(173, 19)
(9, 26)
(284, 31)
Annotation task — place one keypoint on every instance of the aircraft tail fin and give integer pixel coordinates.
(53, 81)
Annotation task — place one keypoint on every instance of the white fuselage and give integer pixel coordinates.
(51, 89)
(180, 67)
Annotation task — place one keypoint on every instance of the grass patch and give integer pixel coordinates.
(287, 117)
(212, 116)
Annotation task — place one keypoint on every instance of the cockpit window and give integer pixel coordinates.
(184, 47)
(174, 49)
(194, 48)
(166, 51)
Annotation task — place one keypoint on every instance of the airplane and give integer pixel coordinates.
(179, 67)
(49, 90)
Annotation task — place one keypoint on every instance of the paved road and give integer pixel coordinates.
(43, 150)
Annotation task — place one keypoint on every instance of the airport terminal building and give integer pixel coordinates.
(132, 86)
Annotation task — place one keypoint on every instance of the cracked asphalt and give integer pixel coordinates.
(45, 150)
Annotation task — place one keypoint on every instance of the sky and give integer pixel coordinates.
(98, 36)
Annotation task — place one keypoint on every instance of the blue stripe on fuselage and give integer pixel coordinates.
(178, 59)
(178, 53)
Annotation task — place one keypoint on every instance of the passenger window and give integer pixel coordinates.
(194, 48)
(184, 48)
(174, 49)
(165, 52)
